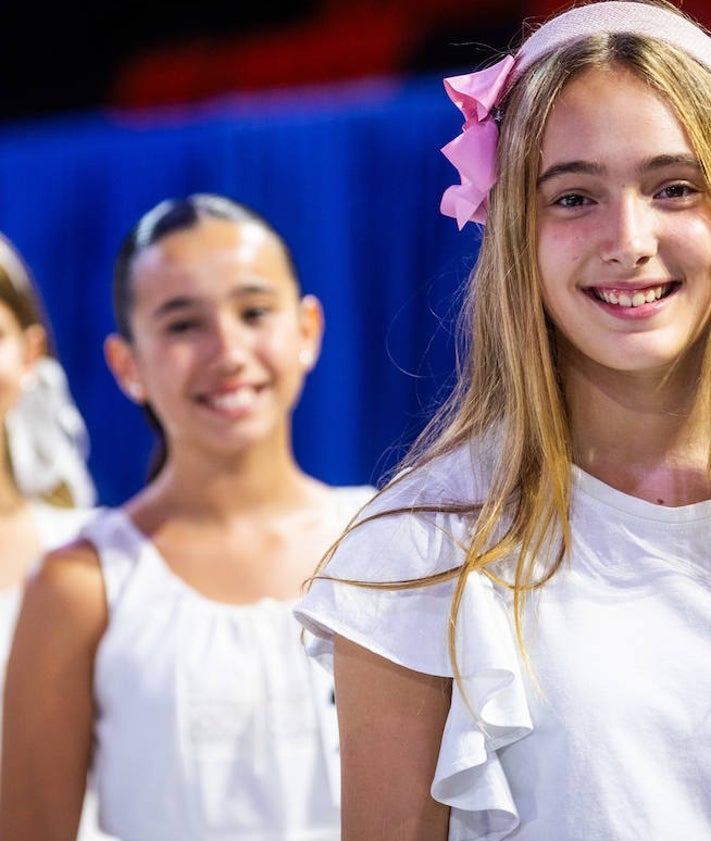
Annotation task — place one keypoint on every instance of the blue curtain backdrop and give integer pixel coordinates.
(350, 174)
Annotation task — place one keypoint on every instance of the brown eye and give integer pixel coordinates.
(571, 200)
(677, 191)
(254, 313)
(184, 325)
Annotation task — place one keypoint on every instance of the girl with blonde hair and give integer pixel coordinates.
(520, 623)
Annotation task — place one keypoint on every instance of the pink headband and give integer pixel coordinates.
(476, 95)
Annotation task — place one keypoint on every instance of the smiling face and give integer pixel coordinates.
(624, 227)
(221, 340)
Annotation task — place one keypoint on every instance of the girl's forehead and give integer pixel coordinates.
(612, 104)
(209, 257)
(207, 236)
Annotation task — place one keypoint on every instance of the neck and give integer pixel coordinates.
(645, 436)
(259, 481)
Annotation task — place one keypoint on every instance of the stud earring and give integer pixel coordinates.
(135, 391)
(306, 357)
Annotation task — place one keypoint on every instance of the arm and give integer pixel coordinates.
(390, 722)
(48, 706)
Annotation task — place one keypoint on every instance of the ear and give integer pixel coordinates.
(312, 325)
(122, 363)
(35, 346)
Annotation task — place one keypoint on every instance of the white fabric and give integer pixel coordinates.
(212, 722)
(47, 438)
(614, 745)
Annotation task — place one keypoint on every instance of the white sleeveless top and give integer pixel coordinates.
(212, 723)
(613, 742)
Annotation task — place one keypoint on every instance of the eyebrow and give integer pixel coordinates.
(182, 302)
(590, 168)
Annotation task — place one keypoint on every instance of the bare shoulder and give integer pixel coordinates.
(67, 587)
(74, 564)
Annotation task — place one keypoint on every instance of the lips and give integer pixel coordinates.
(630, 296)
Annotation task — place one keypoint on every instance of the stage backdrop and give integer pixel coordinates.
(352, 175)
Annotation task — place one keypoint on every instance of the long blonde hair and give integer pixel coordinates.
(508, 377)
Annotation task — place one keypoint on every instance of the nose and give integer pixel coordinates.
(230, 344)
(629, 239)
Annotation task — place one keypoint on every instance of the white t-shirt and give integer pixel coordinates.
(212, 723)
(615, 743)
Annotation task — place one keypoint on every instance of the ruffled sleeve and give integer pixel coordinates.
(409, 627)
(488, 712)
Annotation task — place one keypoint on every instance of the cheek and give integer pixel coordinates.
(11, 362)
(560, 249)
(162, 369)
(554, 313)
(281, 345)
(10, 385)
(548, 274)
(548, 262)
(692, 242)
(564, 309)
(565, 264)
(280, 354)
(155, 354)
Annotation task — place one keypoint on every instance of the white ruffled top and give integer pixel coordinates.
(611, 739)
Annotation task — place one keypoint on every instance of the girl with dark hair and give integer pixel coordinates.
(161, 649)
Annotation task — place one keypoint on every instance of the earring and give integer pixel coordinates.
(135, 391)
(306, 357)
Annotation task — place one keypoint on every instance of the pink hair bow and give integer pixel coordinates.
(473, 152)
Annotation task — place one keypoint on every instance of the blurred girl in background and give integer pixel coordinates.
(166, 634)
(46, 492)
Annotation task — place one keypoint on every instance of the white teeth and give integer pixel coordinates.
(631, 298)
(233, 400)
